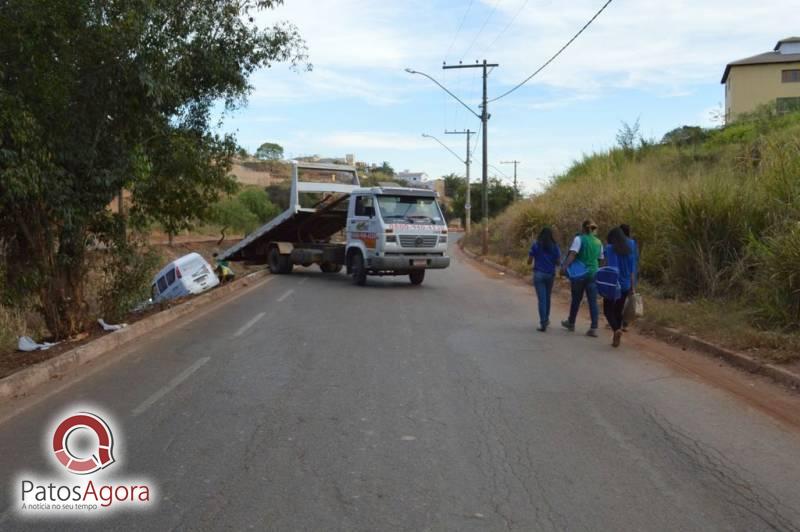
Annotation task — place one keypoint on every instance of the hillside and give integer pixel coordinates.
(716, 213)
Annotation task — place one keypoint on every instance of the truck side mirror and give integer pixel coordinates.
(369, 211)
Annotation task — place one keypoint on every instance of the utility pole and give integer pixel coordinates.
(467, 162)
(485, 164)
(516, 190)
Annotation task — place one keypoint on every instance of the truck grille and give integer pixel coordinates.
(418, 241)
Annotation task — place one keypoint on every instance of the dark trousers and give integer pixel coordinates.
(587, 286)
(543, 283)
(613, 310)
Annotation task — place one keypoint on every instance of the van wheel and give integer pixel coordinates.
(278, 264)
(358, 269)
(417, 276)
(330, 267)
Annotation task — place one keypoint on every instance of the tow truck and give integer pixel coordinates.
(335, 223)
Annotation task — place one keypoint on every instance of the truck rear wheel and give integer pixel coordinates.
(417, 276)
(358, 269)
(278, 264)
(330, 267)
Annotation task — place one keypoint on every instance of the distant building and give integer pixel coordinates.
(412, 178)
(771, 77)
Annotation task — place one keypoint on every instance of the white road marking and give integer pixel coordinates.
(303, 280)
(171, 385)
(287, 294)
(249, 324)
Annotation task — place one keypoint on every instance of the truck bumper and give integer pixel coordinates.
(405, 263)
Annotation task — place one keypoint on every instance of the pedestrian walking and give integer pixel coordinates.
(635, 250)
(545, 256)
(586, 252)
(620, 255)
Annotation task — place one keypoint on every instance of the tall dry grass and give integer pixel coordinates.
(719, 219)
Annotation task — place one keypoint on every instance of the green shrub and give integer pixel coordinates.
(776, 289)
(257, 201)
(128, 269)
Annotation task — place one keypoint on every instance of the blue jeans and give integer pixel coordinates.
(543, 283)
(586, 286)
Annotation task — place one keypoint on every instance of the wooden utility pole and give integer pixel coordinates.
(484, 116)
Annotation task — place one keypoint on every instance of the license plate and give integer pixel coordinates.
(419, 262)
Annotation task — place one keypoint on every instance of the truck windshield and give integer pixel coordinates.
(409, 209)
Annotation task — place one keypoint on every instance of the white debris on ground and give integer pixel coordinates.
(111, 327)
(26, 343)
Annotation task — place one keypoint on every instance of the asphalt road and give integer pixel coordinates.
(308, 403)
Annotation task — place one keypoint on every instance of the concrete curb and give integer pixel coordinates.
(734, 358)
(24, 380)
(491, 264)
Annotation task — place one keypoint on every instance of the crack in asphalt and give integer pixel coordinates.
(756, 501)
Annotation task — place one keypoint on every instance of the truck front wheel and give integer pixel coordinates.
(278, 264)
(358, 269)
(417, 276)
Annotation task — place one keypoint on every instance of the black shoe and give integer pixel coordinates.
(542, 328)
(568, 326)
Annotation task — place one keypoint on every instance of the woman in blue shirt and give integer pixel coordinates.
(545, 256)
(619, 254)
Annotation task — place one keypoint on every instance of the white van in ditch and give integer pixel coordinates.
(190, 274)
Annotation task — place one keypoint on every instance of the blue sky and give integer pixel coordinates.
(657, 61)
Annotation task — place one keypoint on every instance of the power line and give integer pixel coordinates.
(526, 80)
(510, 23)
(458, 31)
(480, 31)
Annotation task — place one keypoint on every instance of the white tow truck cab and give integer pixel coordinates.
(395, 231)
(333, 222)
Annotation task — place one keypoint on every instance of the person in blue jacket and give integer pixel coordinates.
(545, 256)
(619, 254)
(635, 250)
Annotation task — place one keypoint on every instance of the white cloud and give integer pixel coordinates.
(370, 140)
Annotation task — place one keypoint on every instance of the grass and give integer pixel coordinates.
(717, 221)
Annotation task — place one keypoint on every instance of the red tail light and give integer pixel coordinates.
(178, 272)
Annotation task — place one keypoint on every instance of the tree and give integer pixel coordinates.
(499, 197)
(453, 184)
(385, 168)
(97, 96)
(269, 152)
(628, 137)
(230, 213)
(257, 201)
(685, 136)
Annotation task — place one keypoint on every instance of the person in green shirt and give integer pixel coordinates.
(587, 249)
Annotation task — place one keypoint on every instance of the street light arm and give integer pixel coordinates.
(445, 89)
(445, 147)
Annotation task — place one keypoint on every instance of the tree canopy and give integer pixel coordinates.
(97, 96)
(269, 151)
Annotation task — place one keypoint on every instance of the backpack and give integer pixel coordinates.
(607, 280)
(577, 270)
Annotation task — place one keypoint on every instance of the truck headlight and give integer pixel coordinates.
(391, 238)
(443, 239)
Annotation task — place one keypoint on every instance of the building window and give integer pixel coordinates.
(790, 76)
(788, 105)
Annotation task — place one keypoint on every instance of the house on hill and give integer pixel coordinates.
(412, 178)
(771, 77)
